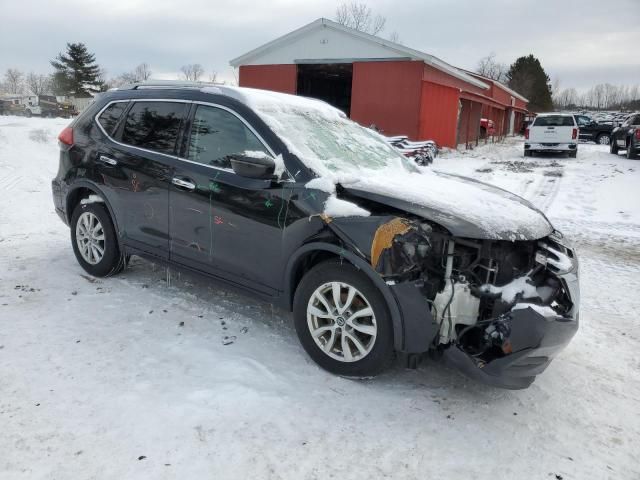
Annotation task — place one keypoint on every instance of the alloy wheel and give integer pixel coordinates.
(341, 322)
(90, 238)
(604, 140)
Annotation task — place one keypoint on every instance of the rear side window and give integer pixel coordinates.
(553, 121)
(109, 118)
(216, 135)
(153, 126)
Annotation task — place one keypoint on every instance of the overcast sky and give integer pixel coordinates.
(581, 43)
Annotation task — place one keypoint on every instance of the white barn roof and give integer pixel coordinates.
(325, 41)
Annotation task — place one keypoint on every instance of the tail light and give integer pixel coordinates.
(66, 136)
(574, 135)
(637, 133)
(526, 134)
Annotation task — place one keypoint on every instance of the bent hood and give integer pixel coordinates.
(465, 207)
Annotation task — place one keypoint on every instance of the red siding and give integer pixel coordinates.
(469, 124)
(433, 75)
(387, 94)
(439, 114)
(278, 78)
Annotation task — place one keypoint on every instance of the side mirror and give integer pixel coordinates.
(253, 165)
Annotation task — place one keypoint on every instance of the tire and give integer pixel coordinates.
(375, 332)
(613, 146)
(112, 260)
(603, 139)
(573, 154)
(527, 153)
(28, 113)
(631, 151)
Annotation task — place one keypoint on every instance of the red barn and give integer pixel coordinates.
(378, 82)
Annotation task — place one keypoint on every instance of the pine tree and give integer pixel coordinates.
(76, 71)
(527, 77)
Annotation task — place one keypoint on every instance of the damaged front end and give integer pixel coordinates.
(506, 308)
(498, 310)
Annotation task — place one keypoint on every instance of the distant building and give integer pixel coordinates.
(382, 83)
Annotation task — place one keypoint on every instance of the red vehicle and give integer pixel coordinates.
(487, 128)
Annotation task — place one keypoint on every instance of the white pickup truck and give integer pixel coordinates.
(552, 132)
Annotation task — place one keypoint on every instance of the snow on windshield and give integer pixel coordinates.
(322, 136)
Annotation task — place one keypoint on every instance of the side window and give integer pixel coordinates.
(153, 125)
(217, 134)
(582, 121)
(109, 118)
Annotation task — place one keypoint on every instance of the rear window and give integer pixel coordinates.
(553, 121)
(109, 118)
(153, 126)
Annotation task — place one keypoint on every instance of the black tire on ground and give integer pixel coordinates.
(613, 146)
(603, 139)
(113, 261)
(382, 351)
(527, 153)
(631, 152)
(573, 153)
(27, 113)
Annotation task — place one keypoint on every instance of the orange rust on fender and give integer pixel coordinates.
(383, 239)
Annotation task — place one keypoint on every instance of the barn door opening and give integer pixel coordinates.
(330, 82)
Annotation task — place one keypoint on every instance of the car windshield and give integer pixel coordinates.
(553, 121)
(328, 142)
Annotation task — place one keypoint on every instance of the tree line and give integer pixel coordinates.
(603, 96)
(77, 73)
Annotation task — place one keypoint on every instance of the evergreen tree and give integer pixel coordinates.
(76, 71)
(527, 77)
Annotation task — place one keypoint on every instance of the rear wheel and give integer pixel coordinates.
(528, 153)
(603, 139)
(342, 320)
(573, 153)
(613, 146)
(631, 152)
(94, 241)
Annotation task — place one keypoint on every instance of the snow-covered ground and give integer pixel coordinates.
(130, 377)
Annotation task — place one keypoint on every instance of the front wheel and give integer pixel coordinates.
(573, 153)
(94, 240)
(342, 320)
(603, 139)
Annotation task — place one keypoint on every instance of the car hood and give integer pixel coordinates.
(465, 207)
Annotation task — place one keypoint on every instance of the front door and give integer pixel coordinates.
(220, 222)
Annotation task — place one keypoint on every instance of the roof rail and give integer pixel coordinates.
(166, 84)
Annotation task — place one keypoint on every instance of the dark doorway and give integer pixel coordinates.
(330, 82)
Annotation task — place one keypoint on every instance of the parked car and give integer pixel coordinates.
(626, 136)
(552, 132)
(47, 106)
(590, 130)
(287, 199)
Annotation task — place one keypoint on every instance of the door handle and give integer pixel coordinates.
(107, 160)
(178, 182)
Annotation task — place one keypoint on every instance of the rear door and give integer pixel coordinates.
(138, 164)
(552, 129)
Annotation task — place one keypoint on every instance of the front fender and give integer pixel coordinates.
(413, 325)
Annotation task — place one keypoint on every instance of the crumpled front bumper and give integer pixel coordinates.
(535, 340)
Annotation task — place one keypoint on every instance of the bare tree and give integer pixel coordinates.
(38, 84)
(213, 76)
(192, 72)
(395, 37)
(490, 68)
(13, 80)
(359, 17)
(142, 72)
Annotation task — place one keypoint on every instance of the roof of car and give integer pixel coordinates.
(562, 114)
(251, 97)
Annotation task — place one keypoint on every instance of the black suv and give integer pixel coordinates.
(626, 136)
(287, 199)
